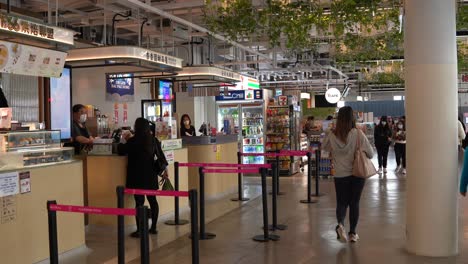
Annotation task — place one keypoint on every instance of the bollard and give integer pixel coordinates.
(142, 212)
(120, 227)
(203, 234)
(266, 236)
(53, 244)
(176, 220)
(194, 226)
(274, 202)
(240, 192)
(317, 173)
(309, 180)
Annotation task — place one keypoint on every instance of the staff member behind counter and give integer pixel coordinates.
(186, 128)
(81, 138)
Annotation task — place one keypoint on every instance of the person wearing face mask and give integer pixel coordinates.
(186, 128)
(81, 138)
(382, 137)
(400, 147)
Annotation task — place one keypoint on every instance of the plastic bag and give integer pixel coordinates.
(166, 184)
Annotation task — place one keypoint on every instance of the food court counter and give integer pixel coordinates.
(24, 225)
(103, 173)
(212, 149)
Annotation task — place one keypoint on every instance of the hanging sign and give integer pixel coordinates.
(116, 113)
(125, 113)
(120, 87)
(240, 95)
(28, 60)
(282, 100)
(333, 95)
(20, 26)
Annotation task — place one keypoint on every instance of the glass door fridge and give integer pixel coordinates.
(152, 110)
(228, 118)
(252, 132)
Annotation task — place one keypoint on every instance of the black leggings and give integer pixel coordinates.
(400, 154)
(348, 193)
(382, 153)
(140, 201)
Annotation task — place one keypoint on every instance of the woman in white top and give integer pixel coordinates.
(342, 144)
(400, 147)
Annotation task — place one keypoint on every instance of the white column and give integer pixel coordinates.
(431, 94)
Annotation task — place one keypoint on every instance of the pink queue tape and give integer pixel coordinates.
(92, 210)
(229, 165)
(230, 171)
(294, 152)
(156, 192)
(271, 154)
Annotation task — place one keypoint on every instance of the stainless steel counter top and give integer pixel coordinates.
(209, 140)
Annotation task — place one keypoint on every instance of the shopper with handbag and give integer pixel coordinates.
(344, 142)
(146, 161)
(383, 138)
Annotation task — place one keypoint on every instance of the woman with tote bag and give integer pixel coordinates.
(343, 143)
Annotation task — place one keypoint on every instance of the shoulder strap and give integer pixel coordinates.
(358, 140)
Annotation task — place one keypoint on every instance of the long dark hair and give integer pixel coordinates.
(344, 123)
(182, 120)
(143, 134)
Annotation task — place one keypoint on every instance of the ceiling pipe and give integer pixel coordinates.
(150, 8)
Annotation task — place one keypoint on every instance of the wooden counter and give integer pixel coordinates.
(216, 185)
(105, 173)
(25, 239)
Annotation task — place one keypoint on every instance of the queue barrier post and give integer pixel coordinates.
(193, 200)
(143, 214)
(309, 180)
(177, 220)
(278, 173)
(240, 186)
(274, 202)
(317, 174)
(120, 226)
(53, 243)
(203, 234)
(266, 236)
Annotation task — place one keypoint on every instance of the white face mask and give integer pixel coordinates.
(83, 118)
(186, 122)
(400, 126)
(384, 123)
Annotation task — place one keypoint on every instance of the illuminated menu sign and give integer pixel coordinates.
(24, 27)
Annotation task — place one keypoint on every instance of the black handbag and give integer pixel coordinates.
(159, 160)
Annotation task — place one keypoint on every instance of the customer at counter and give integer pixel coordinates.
(186, 128)
(81, 138)
(141, 172)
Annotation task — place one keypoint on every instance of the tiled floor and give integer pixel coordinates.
(310, 237)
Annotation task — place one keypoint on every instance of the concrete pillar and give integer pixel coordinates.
(431, 94)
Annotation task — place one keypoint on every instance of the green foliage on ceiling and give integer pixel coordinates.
(462, 52)
(462, 17)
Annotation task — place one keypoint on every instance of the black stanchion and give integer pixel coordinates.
(53, 244)
(274, 201)
(203, 234)
(142, 212)
(278, 173)
(309, 180)
(177, 220)
(194, 226)
(239, 182)
(120, 227)
(317, 173)
(266, 236)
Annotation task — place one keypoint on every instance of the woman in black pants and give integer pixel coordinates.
(342, 142)
(400, 147)
(141, 149)
(382, 137)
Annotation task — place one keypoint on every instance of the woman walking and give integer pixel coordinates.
(382, 137)
(342, 142)
(141, 173)
(400, 147)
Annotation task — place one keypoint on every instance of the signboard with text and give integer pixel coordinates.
(120, 87)
(9, 184)
(237, 95)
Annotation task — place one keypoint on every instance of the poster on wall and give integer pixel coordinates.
(60, 104)
(25, 182)
(120, 87)
(9, 184)
(27, 60)
(8, 209)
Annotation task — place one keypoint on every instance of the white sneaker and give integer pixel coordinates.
(341, 233)
(379, 171)
(353, 237)
(403, 171)
(384, 170)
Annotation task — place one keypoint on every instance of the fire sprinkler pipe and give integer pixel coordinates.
(150, 8)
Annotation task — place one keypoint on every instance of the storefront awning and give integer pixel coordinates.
(123, 55)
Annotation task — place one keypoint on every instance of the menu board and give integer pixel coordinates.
(28, 60)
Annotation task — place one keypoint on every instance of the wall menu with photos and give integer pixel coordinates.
(28, 60)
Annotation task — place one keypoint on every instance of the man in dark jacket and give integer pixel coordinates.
(382, 137)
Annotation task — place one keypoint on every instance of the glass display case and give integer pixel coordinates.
(29, 148)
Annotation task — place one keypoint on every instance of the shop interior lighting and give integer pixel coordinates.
(305, 95)
(397, 98)
(340, 104)
(359, 98)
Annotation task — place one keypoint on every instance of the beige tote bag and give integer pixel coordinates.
(362, 165)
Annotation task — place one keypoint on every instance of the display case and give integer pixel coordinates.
(29, 148)
(283, 133)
